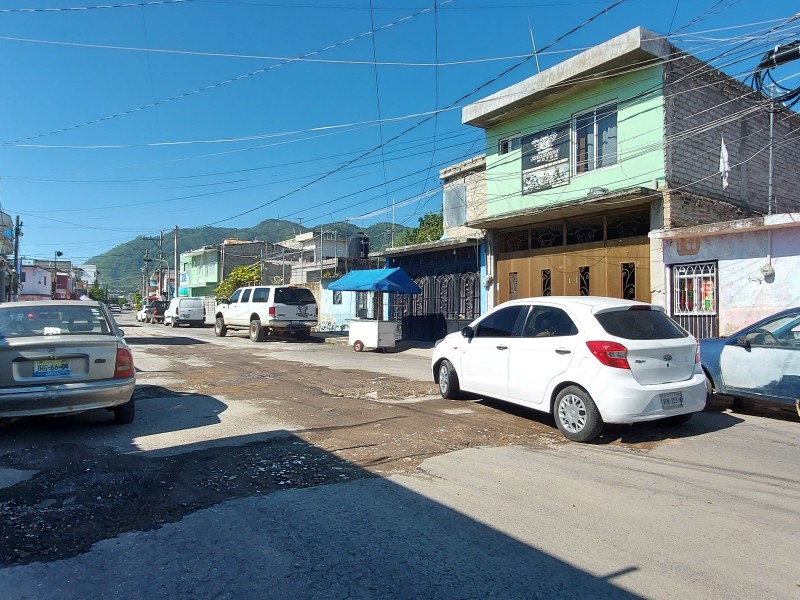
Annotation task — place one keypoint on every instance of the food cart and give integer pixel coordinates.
(375, 333)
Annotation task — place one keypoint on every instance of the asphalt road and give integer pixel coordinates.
(317, 472)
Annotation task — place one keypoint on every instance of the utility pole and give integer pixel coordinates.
(321, 233)
(160, 261)
(771, 140)
(177, 266)
(15, 279)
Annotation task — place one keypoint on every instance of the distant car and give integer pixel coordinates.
(760, 362)
(141, 314)
(127, 306)
(115, 308)
(588, 360)
(63, 356)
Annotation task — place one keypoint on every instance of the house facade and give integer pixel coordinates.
(588, 157)
(738, 271)
(451, 271)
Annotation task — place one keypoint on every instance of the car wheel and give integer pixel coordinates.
(256, 331)
(677, 419)
(709, 390)
(174, 323)
(576, 415)
(448, 380)
(219, 327)
(358, 346)
(124, 414)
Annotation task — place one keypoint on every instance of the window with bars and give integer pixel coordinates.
(584, 280)
(629, 281)
(512, 285)
(547, 283)
(694, 289)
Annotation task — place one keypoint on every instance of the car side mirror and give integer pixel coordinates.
(468, 332)
(122, 332)
(224, 301)
(743, 341)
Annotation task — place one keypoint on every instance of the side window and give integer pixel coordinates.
(782, 331)
(500, 323)
(235, 297)
(548, 321)
(246, 295)
(261, 295)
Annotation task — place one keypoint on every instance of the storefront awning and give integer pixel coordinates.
(374, 280)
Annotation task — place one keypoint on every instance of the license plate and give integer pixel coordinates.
(51, 368)
(671, 400)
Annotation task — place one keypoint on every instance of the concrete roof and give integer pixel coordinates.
(776, 221)
(427, 247)
(634, 46)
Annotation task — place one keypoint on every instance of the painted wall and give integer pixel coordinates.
(38, 282)
(745, 295)
(640, 136)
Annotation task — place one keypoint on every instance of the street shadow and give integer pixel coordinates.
(299, 523)
(163, 341)
(701, 423)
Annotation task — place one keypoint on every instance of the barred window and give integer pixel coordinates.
(695, 289)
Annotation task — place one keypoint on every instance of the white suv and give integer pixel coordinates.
(267, 310)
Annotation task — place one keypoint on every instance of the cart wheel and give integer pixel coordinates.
(358, 346)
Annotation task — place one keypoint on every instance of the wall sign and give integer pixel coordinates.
(545, 159)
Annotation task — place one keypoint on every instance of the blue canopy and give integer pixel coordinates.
(371, 280)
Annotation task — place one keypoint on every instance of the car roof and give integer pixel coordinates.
(50, 303)
(590, 302)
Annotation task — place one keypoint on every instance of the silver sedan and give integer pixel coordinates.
(63, 356)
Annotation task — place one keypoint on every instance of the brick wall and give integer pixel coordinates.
(698, 96)
(240, 255)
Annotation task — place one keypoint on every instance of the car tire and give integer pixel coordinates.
(448, 380)
(219, 327)
(576, 415)
(358, 346)
(124, 414)
(174, 323)
(256, 331)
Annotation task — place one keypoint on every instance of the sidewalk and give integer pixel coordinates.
(412, 347)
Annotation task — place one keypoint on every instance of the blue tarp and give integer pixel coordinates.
(371, 280)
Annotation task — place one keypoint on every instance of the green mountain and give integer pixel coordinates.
(120, 267)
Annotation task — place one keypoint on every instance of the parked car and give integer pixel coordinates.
(63, 356)
(115, 308)
(760, 362)
(268, 309)
(588, 360)
(127, 307)
(156, 310)
(190, 311)
(141, 314)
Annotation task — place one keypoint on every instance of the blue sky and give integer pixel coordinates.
(119, 122)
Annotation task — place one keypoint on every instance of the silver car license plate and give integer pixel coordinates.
(671, 400)
(51, 368)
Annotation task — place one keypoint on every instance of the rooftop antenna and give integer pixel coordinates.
(533, 43)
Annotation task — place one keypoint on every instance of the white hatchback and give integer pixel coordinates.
(588, 360)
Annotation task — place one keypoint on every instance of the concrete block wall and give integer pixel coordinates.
(703, 105)
(240, 255)
(472, 174)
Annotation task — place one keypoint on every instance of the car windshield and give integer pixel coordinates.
(638, 324)
(35, 321)
(296, 295)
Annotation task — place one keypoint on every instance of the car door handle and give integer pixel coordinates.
(563, 351)
(502, 347)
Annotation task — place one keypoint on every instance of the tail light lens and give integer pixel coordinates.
(271, 311)
(124, 366)
(610, 354)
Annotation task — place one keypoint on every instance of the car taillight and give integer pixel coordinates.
(610, 354)
(271, 311)
(124, 366)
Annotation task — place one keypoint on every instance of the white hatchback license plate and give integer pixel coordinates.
(51, 368)
(671, 400)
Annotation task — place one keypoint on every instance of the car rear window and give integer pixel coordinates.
(18, 321)
(296, 295)
(640, 324)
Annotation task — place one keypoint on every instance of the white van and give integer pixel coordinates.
(191, 311)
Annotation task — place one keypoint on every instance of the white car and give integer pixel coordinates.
(141, 314)
(588, 360)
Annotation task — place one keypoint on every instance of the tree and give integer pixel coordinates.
(239, 277)
(430, 229)
(96, 292)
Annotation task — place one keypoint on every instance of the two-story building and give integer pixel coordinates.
(588, 157)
